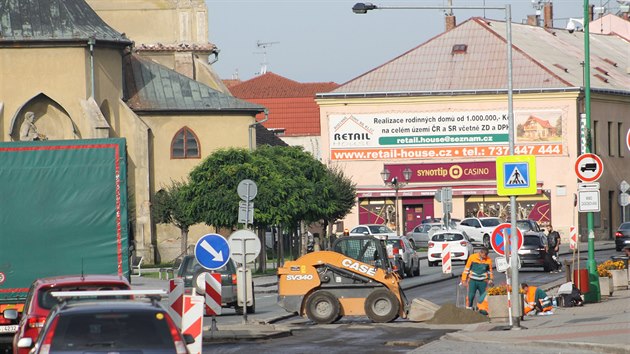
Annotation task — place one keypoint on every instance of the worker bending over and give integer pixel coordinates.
(536, 300)
(477, 276)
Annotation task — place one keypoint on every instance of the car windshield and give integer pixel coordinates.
(625, 226)
(447, 237)
(379, 229)
(523, 225)
(490, 222)
(193, 265)
(141, 331)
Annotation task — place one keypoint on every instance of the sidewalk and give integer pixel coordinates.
(602, 327)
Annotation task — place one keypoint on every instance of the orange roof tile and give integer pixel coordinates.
(291, 104)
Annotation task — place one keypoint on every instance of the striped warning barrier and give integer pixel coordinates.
(176, 300)
(446, 258)
(572, 237)
(192, 321)
(213, 294)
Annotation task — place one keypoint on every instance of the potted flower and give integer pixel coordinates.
(498, 303)
(617, 273)
(605, 281)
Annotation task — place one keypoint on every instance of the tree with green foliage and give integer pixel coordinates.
(343, 197)
(172, 205)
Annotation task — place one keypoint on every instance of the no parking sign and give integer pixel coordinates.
(497, 240)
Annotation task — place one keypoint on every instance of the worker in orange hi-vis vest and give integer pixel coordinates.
(477, 276)
(536, 301)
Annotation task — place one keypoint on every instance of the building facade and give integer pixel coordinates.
(440, 110)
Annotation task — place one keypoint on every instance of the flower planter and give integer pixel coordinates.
(606, 286)
(619, 278)
(498, 308)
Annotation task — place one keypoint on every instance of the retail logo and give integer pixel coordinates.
(351, 132)
(456, 172)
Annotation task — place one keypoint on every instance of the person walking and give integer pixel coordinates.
(477, 276)
(536, 301)
(553, 246)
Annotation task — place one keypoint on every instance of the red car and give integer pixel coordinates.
(39, 301)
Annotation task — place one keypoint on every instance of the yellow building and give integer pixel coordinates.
(437, 116)
(82, 79)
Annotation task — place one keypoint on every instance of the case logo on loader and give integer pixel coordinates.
(300, 277)
(359, 267)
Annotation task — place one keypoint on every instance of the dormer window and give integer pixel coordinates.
(459, 49)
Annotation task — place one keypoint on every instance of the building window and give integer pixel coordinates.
(185, 145)
(610, 140)
(621, 141)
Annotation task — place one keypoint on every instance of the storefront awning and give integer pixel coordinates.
(489, 188)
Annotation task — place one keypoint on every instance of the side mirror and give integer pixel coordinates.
(188, 338)
(10, 314)
(365, 233)
(25, 342)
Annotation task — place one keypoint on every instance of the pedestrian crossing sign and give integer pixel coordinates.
(516, 175)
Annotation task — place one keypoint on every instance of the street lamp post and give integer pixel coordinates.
(396, 184)
(362, 8)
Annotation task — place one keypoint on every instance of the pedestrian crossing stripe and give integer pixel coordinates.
(516, 175)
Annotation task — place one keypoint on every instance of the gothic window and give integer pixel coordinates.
(185, 145)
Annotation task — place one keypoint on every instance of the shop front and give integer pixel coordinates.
(474, 195)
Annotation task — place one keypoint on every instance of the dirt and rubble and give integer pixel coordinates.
(450, 314)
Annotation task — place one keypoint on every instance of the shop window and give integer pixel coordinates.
(185, 145)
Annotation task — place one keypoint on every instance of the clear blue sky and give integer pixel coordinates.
(323, 40)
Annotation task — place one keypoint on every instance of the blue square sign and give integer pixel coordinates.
(516, 175)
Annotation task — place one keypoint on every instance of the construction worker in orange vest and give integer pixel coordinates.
(477, 276)
(536, 301)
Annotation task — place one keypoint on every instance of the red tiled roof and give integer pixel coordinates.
(542, 122)
(231, 82)
(291, 104)
(271, 85)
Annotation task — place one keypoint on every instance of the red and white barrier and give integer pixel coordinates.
(446, 258)
(192, 321)
(213, 294)
(176, 300)
(572, 237)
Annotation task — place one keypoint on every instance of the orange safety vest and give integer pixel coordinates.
(530, 301)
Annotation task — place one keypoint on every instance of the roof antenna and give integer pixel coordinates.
(264, 45)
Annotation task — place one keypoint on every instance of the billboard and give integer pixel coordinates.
(448, 134)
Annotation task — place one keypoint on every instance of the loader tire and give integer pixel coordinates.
(382, 306)
(322, 307)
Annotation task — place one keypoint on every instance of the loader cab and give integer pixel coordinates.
(366, 249)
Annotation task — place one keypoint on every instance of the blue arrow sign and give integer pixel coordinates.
(212, 251)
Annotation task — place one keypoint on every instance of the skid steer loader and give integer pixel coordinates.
(354, 279)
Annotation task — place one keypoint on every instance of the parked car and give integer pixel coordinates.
(480, 229)
(39, 302)
(528, 226)
(459, 244)
(405, 256)
(534, 251)
(372, 230)
(191, 272)
(108, 326)
(622, 236)
(420, 234)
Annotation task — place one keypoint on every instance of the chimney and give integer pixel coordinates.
(548, 15)
(532, 20)
(450, 22)
(590, 13)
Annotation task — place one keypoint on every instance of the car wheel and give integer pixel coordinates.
(486, 241)
(252, 308)
(618, 249)
(417, 271)
(322, 307)
(382, 306)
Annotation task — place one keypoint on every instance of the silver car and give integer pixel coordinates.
(419, 236)
(404, 256)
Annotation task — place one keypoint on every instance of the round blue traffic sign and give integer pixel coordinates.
(212, 251)
(497, 240)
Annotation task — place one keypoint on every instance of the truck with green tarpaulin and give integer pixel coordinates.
(63, 211)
